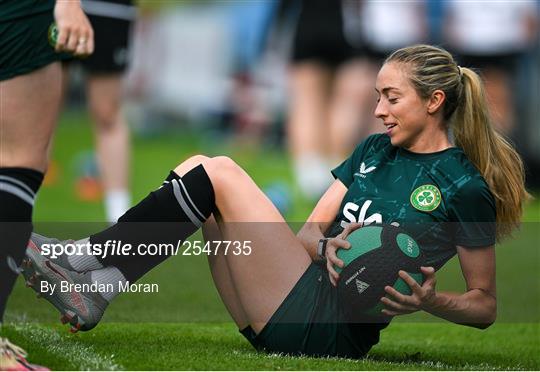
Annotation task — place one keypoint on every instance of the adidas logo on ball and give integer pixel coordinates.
(361, 286)
(377, 254)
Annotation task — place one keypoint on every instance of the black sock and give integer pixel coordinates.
(168, 215)
(18, 188)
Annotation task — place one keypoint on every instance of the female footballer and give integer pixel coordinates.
(30, 91)
(438, 139)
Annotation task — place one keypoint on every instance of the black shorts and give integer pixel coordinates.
(308, 322)
(111, 53)
(24, 45)
(319, 35)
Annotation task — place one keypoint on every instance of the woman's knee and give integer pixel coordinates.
(224, 173)
(224, 163)
(222, 168)
(199, 159)
(190, 163)
(105, 117)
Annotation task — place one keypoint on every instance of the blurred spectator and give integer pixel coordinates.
(370, 24)
(181, 63)
(249, 25)
(111, 20)
(325, 76)
(336, 54)
(208, 55)
(389, 25)
(492, 36)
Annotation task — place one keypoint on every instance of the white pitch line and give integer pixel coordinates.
(84, 357)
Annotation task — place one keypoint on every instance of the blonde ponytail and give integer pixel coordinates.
(492, 155)
(431, 68)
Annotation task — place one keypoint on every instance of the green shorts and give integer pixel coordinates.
(309, 322)
(24, 45)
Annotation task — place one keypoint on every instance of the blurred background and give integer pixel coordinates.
(291, 78)
(286, 88)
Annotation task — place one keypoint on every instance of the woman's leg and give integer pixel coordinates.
(498, 90)
(352, 97)
(198, 188)
(277, 260)
(29, 107)
(29, 111)
(112, 140)
(222, 276)
(307, 129)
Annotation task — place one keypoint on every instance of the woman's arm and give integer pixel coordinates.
(476, 308)
(321, 217)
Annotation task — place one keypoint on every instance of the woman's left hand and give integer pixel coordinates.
(75, 33)
(422, 296)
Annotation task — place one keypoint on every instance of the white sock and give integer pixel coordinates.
(109, 275)
(312, 175)
(85, 262)
(116, 204)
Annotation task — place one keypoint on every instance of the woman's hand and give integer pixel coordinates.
(332, 246)
(75, 33)
(422, 296)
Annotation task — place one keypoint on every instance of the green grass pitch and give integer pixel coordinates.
(185, 326)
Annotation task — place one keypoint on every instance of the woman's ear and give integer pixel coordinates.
(436, 101)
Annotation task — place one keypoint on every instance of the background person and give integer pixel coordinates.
(112, 21)
(332, 73)
(493, 36)
(327, 74)
(30, 87)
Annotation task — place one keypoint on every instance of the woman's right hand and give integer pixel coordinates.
(332, 246)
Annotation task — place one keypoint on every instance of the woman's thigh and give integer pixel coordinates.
(29, 105)
(265, 259)
(222, 275)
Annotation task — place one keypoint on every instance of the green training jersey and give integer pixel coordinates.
(438, 198)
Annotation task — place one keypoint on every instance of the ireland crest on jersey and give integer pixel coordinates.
(426, 198)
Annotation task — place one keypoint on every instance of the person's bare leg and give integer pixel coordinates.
(352, 97)
(499, 99)
(310, 89)
(277, 260)
(222, 276)
(65, 86)
(29, 107)
(218, 263)
(307, 125)
(112, 140)
(28, 117)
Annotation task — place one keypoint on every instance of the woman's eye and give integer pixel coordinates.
(392, 100)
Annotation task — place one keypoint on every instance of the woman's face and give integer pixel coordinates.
(403, 112)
